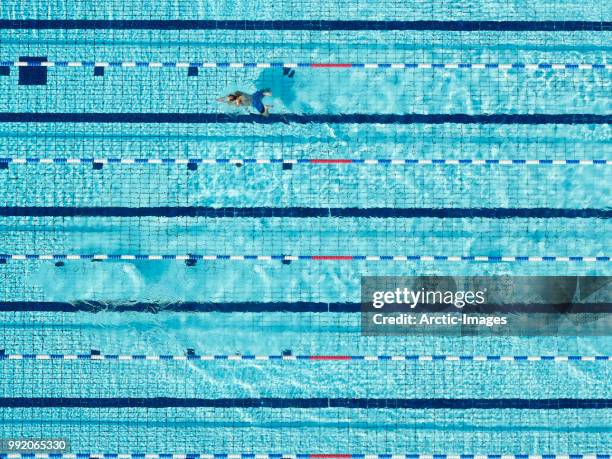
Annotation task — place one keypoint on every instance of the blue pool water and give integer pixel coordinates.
(57, 307)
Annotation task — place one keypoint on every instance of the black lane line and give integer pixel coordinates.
(186, 306)
(313, 25)
(347, 118)
(322, 402)
(295, 307)
(304, 212)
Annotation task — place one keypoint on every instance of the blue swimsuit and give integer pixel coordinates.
(257, 101)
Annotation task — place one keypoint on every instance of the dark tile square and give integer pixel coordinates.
(287, 166)
(192, 71)
(98, 71)
(32, 76)
(5, 70)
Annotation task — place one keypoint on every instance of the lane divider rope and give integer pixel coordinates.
(291, 456)
(375, 161)
(322, 358)
(295, 65)
(290, 258)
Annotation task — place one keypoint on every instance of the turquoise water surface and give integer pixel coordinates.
(139, 429)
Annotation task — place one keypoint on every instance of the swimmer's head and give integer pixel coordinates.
(235, 98)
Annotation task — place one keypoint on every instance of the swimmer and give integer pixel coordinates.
(255, 100)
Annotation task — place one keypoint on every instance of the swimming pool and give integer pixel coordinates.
(140, 218)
